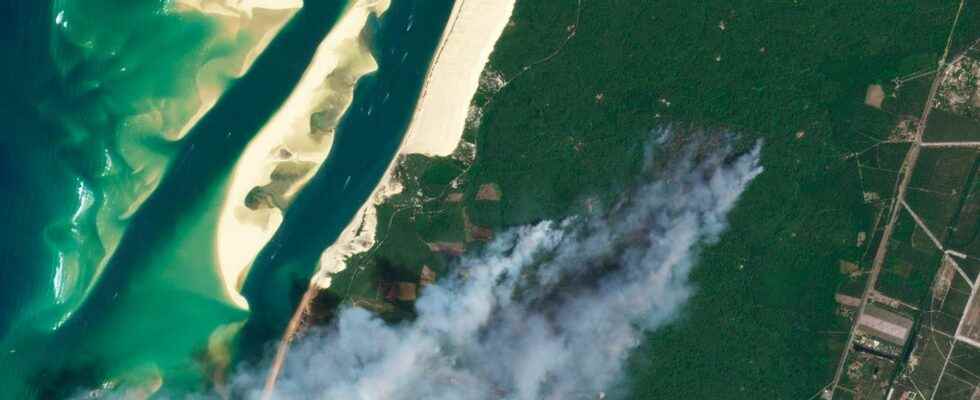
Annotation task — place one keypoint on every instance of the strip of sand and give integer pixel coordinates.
(439, 120)
(444, 105)
(258, 21)
(288, 150)
(250, 26)
(436, 130)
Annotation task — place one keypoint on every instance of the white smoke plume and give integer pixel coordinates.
(548, 311)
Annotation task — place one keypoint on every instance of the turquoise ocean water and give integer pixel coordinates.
(156, 305)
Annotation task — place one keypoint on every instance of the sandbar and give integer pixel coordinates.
(436, 129)
(251, 24)
(288, 150)
(259, 20)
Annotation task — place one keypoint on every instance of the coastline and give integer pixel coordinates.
(259, 20)
(253, 24)
(439, 120)
(436, 129)
(290, 148)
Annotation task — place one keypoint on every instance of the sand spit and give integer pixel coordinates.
(288, 150)
(440, 116)
(245, 30)
(258, 21)
(436, 129)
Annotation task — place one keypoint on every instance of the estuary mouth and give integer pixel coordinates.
(489, 199)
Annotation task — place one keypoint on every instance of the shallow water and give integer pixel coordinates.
(368, 136)
(153, 307)
(158, 307)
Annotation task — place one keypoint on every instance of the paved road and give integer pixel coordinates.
(905, 176)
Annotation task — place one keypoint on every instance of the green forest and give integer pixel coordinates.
(585, 82)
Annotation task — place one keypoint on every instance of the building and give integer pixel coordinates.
(882, 330)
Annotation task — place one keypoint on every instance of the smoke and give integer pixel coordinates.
(546, 311)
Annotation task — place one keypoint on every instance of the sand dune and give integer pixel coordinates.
(440, 116)
(289, 149)
(436, 129)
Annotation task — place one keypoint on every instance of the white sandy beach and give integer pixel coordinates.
(440, 116)
(287, 139)
(436, 130)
